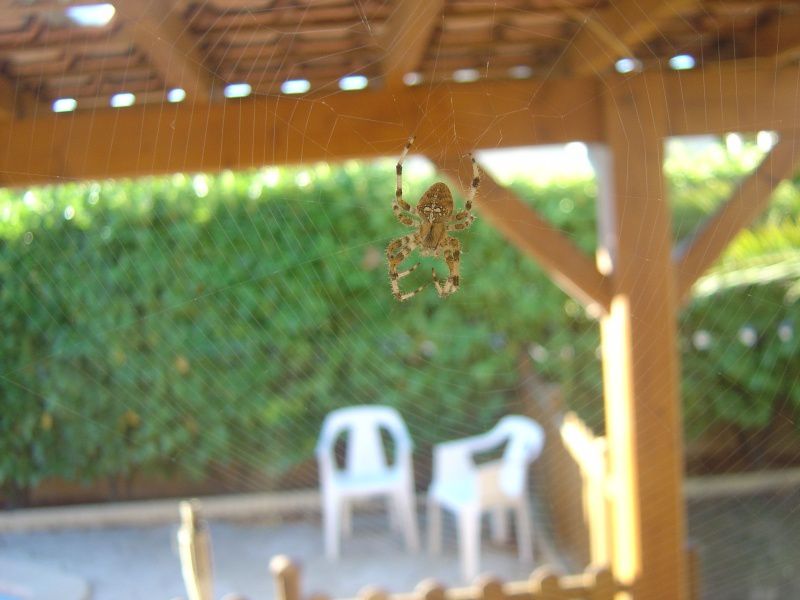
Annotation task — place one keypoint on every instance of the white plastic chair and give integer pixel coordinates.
(469, 490)
(366, 473)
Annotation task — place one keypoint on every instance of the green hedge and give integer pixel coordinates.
(148, 329)
(184, 323)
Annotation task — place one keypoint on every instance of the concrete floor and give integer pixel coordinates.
(142, 562)
(748, 546)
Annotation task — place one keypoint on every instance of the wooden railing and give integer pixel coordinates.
(542, 585)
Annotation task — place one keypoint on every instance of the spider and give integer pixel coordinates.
(433, 219)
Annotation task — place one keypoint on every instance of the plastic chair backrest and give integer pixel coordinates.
(524, 442)
(365, 453)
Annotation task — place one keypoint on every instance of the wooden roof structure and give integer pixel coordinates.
(461, 74)
(148, 47)
(429, 67)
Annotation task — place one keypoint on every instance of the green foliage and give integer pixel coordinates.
(183, 323)
(740, 350)
(743, 376)
(187, 323)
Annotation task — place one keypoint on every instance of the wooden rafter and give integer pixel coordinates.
(613, 33)
(157, 28)
(702, 248)
(407, 34)
(571, 269)
(779, 39)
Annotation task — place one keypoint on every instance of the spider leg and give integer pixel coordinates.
(465, 218)
(400, 206)
(452, 256)
(461, 225)
(397, 251)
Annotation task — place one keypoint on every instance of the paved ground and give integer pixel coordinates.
(142, 563)
(749, 549)
(749, 546)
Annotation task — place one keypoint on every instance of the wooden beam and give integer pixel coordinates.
(9, 99)
(640, 351)
(568, 267)
(778, 39)
(158, 30)
(744, 95)
(168, 138)
(407, 34)
(16, 101)
(701, 249)
(195, 136)
(616, 31)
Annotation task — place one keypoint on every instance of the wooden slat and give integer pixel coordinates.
(701, 249)
(194, 550)
(346, 13)
(287, 578)
(407, 34)
(614, 32)
(158, 30)
(144, 140)
(567, 265)
(639, 346)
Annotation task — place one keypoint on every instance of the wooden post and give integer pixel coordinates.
(194, 548)
(603, 585)
(545, 584)
(287, 578)
(640, 357)
(372, 592)
(491, 588)
(429, 589)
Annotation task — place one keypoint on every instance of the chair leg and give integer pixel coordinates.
(499, 525)
(434, 512)
(408, 514)
(524, 532)
(394, 517)
(347, 518)
(469, 542)
(331, 513)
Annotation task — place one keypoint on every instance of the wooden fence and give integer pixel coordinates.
(543, 584)
(571, 475)
(575, 480)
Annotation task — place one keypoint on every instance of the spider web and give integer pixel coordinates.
(257, 284)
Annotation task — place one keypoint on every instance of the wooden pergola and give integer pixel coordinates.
(461, 75)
